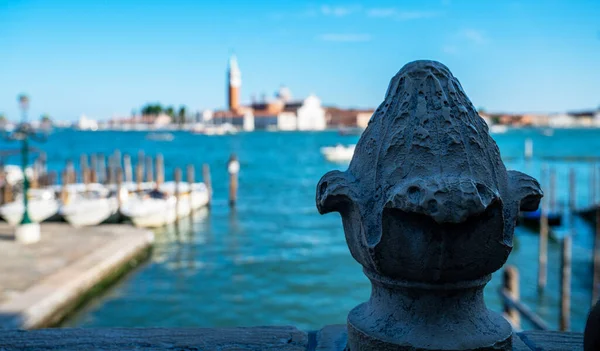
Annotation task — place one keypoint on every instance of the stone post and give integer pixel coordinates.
(429, 211)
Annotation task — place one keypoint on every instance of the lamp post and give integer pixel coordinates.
(27, 231)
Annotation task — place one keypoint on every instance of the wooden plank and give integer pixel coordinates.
(524, 310)
(518, 344)
(552, 341)
(153, 339)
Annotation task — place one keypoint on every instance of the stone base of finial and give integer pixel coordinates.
(405, 316)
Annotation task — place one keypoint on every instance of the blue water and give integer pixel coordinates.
(275, 260)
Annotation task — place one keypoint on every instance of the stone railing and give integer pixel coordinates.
(429, 211)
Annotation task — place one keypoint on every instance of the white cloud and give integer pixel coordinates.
(345, 38)
(400, 15)
(474, 36)
(339, 11)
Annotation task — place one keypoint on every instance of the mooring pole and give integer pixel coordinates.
(233, 168)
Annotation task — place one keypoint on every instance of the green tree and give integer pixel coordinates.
(181, 115)
(45, 118)
(152, 109)
(170, 111)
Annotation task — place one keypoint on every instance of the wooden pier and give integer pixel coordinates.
(42, 283)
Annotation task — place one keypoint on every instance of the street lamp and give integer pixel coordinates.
(27, 231)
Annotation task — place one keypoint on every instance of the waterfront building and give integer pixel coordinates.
(338, 117)
(280, 113)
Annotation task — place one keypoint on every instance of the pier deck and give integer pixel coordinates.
(330, 338)
(42, 282)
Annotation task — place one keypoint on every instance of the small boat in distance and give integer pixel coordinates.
(338, 153)
(350, 131)
(498, 129)
(160, 136)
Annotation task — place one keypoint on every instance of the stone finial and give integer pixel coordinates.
(429, 211)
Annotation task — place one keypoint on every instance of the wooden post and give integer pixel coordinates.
(565, 286)
(7, 196)
(43, 163)
(177, 177)
(117, 160)
(127, 168)
(141, 159)
(510, 280)
(119, 180)
(596, 261)
(528, 152)
(65, 181)
(102, 178)
(543, 246)
(33, 184)
(160, 169)
(51, 178)
(83, 167)
(593, 185)
(233, 168)
(190, 178)
(572, 191)
(207, 181)
(149, 171)
(86, 178)
(94, 168)
(139, 175)
(552, 190)
(71, 172)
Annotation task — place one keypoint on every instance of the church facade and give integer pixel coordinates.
(281, 112)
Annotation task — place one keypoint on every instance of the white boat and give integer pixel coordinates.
(498, 129)
(42, 205)
(92, 206)
(215, 129)
(160, 207)
(338, 153)
(14, 174)
(160, 136)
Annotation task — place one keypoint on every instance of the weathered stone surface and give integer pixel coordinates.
(429, 211)
(153, 339)
(592, 329)
(39, 282)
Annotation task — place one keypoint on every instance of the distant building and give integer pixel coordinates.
(337, 117)
(281, 113)
(235, 84)
(584, 118)
(86, 123)
(561, 120)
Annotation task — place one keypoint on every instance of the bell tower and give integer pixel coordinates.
(235, 83)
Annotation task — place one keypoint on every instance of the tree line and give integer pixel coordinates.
(155, 109)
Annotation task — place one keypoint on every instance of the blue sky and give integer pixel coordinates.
(105, 58)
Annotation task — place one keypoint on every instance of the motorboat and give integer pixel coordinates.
(160, 206)
(92, 206)
(42, 204)
(338, 153)
(160, 136)
(498, 129)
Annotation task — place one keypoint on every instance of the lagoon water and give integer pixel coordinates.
(275, 260)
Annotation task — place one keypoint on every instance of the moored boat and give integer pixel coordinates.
(42, 205)
(93, 206)
(338, 153)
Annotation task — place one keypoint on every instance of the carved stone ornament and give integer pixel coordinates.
(429, 211)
